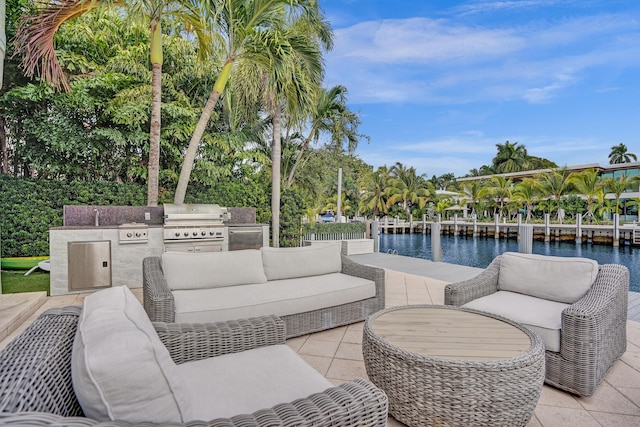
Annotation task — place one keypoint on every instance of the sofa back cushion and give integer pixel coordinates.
(561, 279)
(212, 269)
(119, 367)
(288, 263)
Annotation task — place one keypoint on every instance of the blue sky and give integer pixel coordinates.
(439, 83)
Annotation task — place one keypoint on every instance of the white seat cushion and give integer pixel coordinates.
(279, 297)
(120, 369)
(242, 383)
(562, 279)
(288, 263)
(184, 270)
(541, 316)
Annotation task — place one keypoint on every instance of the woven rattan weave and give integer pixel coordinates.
(36, 387)
(593, 335)
(468, 388)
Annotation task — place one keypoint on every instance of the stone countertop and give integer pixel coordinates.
(100, 227)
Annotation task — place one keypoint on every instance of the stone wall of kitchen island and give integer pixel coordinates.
(126, 259)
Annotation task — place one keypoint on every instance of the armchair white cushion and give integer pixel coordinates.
(561, 279)
(119, 367)
(122, 371)
(542, 316)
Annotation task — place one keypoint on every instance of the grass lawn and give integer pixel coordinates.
(14, 281)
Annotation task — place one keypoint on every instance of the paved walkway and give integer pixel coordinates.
(337, 353)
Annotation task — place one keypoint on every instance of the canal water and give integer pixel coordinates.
(479, 252)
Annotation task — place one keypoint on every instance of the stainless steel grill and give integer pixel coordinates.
(195, 227)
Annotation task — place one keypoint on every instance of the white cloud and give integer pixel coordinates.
(422, 60)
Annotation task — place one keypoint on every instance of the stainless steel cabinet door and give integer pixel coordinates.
(89, 265)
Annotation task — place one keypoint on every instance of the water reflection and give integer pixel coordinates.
(479, 252)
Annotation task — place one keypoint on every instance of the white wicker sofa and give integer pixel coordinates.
(311, 288)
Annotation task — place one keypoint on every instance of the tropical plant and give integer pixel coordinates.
(473, 192)
(617, 187)
(245, 31)
(526, 193)
(408, 188)
(35, 42)
(374, 194)
(589, 184)
(500, 188)
(555, 184)
(331, 115)
(620, 154)
(511, 157)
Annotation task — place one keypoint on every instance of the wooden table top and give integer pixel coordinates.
(450, 333)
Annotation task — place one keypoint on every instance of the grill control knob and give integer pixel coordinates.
(177, 234)
(211, 233)
(195, 233)
(138, 234)
(204, 233)
(186, 234)
(128, 234)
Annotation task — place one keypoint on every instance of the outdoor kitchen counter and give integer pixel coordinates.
(126, 258)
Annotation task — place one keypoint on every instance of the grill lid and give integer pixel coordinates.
(195, 214)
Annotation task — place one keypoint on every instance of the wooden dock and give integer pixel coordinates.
(625, 235)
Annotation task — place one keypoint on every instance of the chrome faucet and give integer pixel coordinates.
(96, 217)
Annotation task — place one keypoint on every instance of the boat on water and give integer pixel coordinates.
(21, 263)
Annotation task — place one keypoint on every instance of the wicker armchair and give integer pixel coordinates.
(593, 332)
(36, 386)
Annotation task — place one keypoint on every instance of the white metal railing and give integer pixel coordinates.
(350, 235)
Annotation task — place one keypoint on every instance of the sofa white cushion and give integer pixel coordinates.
(119, 367)
(562, 279)
(212, 269)
(541, 316)
(242, 383)
(287, 263)
(279, 297)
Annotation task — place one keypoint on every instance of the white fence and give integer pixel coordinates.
(335, 236)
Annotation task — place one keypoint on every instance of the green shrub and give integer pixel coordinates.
(351, 227)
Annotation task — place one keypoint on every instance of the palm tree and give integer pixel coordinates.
(526, 192)
(473, 192)
(500, 188)
(34, 40)
(245, 30)
(620, 154)
(511, 158)
(589, 184)
(408, 187)
(555, 184)
(330, 115)
(289, 85)
(617, 187)
(375, 187)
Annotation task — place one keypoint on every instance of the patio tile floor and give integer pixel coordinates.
(337, 355)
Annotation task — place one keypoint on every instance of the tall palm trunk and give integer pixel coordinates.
(192, 150)
(275, 176)
(303, 149)
(153, 168)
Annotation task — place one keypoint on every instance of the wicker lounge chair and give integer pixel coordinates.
(36, 384)
(592, 336)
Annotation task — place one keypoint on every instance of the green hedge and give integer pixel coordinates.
(332, 227)
(29, 207)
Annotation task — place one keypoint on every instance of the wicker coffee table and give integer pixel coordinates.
(450, 366)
